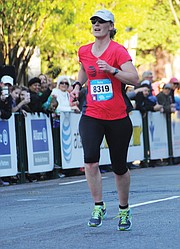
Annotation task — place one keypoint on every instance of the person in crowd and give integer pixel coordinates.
(24, 96)
(165, 99)
(143, 103)
(63, 97)
(43, 79)
(17, 104)
(148, 75)
(8, 81)
(158, 85)
(177, 99)
(15, 91)
(44, 86)
(147, 80)
(53, 105)
(174, 86)
(21, 99)
(5, 113)
(45, 82)
(131, 91)
(37, 100)
(51, 82)
(107, 66)
(5, 103)
(54, 84)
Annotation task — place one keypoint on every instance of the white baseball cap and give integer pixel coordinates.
(7, 79)
(145, 82)
(104, 14)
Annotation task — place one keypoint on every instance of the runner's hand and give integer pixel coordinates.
(104, 66)
(75, 93)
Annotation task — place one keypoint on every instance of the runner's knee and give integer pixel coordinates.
(119, 170)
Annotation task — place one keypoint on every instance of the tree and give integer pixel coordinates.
(22, 26)
(74, 28)
(155, 21)
(159, 37)
(58, 28)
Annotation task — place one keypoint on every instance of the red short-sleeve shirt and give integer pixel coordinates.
(104, 99)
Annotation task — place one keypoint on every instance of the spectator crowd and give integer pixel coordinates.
(43, 95)
(163, 96)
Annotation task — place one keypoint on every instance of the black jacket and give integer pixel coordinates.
(37, 100)
(165, 101)
(6, 108)
(143, 104)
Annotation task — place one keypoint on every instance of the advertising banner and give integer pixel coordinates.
(136, 146)
(8, 152)
(39, 143)
(175, 128)
(158, 140)
(71, 146)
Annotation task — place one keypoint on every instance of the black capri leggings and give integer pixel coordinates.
(117, 133)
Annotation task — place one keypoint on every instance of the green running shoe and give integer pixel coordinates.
(99, 213)
(125, 220)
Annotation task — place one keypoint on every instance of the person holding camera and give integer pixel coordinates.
(17, 102)
(5, 102)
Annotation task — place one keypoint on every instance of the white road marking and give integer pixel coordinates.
(78, 181)
(154, 201)
(27, 200)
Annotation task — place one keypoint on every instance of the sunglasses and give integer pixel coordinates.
(99, 20)
(64, 83)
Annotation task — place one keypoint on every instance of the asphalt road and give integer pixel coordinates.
(54, 214)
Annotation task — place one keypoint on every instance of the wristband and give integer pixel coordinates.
(115, 71)
(77, 83)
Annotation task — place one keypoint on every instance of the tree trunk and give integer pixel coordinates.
(161, 60)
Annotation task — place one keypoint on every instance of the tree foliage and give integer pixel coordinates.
(58, 28)
(22, 26)
(159, 36)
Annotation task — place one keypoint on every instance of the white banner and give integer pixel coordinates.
(136, 146)
(158, 140)
(175, 128)
(8, 152)
(39, 143)
(71, 147)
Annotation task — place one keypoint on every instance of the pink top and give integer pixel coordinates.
(104, 99)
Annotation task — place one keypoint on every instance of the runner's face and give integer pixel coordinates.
(101, 29)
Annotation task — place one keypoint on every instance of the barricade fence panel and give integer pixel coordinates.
(8, 150)
(40, 152)
(158, 139)
(175, 132)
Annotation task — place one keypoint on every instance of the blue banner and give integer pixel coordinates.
(4, 138)
(39, 135)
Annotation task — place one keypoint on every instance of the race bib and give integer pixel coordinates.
(101, 89)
